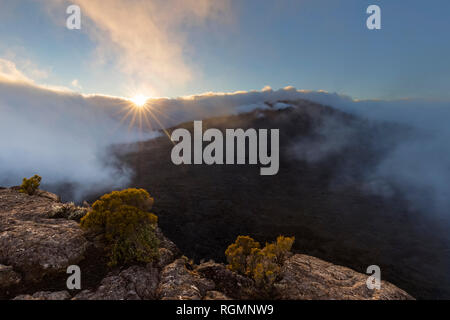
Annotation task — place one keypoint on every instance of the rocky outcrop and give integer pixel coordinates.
(35, 251)
(307, 278)
(33, 245)
(134, 283)
(179, 283)
(226, 281)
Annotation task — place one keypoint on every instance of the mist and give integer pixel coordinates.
(66, 137)
(62, 136)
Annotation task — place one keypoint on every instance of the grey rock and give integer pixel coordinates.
(307, 278)
(165, 257)
(134, 283)
(48, 195)
(31, 243)
(231, 283)
(45, 295)
(179, 283)
(167, 244)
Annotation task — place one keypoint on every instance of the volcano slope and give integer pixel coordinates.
(320, 196)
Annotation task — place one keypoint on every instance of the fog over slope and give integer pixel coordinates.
(64, 136)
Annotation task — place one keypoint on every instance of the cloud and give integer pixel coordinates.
(61, 135)
(146, 39)
(76, 84)
(65, 136)
(10, 73)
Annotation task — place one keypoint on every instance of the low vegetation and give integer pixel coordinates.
(68, 211)
(30, 186)
(263, 265)
(128, 227)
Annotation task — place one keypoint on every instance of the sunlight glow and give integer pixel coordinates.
(143, 114)
(139, 100)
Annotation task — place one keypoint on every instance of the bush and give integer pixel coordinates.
(238, 253)
(262, 265)
(30, 186)
(67, 211)
(128, 227)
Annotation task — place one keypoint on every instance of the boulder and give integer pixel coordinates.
(48, 195)
(165, 257)
(33, 244)
(167, 244)
(134, 283)
(179, 283)
(307, 278)
(231, 283)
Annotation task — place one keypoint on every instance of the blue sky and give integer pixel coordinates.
(243, 45)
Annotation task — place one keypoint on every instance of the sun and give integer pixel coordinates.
(139, 100)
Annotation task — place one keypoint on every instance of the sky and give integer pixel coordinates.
(184, 47)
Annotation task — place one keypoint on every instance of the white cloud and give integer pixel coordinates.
(76, 84)
(146, 39)
(60, 135)
(64, 135)
(9, 72)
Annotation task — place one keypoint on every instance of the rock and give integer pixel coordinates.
(165, 257)
(179, 283)
(231, 283)
(48, 195)
(31, 243)
(308, 278)
(215, 295)
(8, 277)
(167, 244)
(45, 295)
(134, 283)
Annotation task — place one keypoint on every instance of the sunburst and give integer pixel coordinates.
(141, 113)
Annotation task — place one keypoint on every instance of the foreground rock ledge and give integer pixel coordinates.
(33, 245)
(33, 248)
(308, 278)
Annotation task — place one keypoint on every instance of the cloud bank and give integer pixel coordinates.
(64, 136)
(60, 135)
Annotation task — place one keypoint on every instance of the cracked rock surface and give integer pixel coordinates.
(33, 245)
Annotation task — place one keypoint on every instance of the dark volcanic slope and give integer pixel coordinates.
(321, 201)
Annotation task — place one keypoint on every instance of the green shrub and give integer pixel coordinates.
(238, 252)
(30, 186)
(128, 227)
(262, 265)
